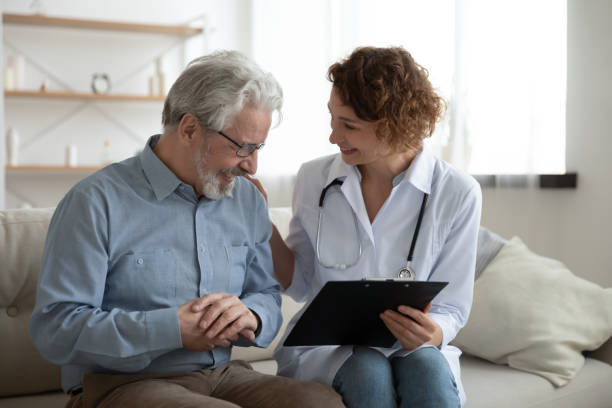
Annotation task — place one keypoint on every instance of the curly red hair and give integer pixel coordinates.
(386, 85)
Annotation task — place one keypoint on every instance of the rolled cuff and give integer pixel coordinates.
(448, 326)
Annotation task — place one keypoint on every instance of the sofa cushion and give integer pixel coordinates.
(532, 313)
(22, 236)
(489, 245)
(490, 385)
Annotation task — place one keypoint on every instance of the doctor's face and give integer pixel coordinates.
(355, 137)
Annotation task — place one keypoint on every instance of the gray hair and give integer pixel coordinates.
(216, 87)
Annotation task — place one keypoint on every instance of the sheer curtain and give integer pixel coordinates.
(500, 65)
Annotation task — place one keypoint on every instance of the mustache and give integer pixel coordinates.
(236, 172)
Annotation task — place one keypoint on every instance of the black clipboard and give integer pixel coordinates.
(347, 312)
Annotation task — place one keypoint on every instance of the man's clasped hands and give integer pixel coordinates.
(215, 320)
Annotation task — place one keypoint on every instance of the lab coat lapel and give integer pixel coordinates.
(351, 189)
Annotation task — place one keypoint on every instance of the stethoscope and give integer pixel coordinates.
(404, 273)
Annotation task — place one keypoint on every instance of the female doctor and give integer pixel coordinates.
(389, 208)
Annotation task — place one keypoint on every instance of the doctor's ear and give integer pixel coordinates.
(188, 129)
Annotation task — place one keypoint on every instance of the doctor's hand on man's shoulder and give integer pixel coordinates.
(216, 320)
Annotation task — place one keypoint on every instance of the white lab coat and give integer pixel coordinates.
(445, 249)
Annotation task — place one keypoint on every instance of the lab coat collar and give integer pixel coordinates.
(351, 190)
(419, 173)
(339, 169)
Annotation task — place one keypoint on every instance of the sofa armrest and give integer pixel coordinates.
(604, 353)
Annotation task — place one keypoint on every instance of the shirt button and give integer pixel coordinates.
(202, 248)
(12, 311)
(139, 261)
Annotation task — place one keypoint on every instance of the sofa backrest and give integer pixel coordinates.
(22, 237)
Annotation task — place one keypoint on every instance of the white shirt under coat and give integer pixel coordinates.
(445, 249)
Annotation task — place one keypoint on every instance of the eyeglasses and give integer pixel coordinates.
(244, 150)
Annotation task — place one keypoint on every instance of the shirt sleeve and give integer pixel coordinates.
(455, 265)
(261, 291)
(68, 324)
(300, 244)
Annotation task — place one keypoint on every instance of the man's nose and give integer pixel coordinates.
(249, 163)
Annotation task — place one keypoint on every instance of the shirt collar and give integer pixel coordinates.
(162, 180)
(419, 173)
(339, 169)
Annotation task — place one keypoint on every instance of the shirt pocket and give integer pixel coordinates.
(236, 265)
(143, 280)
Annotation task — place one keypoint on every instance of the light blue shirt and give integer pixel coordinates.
(130, 244)
(445, 249)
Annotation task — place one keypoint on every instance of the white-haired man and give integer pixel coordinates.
(155, 266)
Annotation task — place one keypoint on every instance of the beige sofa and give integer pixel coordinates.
(26, 380)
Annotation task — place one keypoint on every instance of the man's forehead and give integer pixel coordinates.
(251, 124)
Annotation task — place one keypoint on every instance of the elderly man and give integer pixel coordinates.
(154, 267)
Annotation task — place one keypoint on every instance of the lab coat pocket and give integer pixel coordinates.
(142, 280)
(236, 268)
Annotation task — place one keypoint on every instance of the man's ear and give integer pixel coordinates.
(188, 129)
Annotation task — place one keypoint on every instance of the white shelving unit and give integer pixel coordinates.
(78, 100)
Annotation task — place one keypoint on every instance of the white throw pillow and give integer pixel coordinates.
(532, 313)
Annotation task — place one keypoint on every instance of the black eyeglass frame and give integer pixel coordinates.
(245, 149)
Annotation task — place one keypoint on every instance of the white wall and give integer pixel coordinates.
(73, 55)
(575, 225)
(570, 225)
(586, 218)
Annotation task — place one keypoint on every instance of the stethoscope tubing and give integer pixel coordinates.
(415, 236)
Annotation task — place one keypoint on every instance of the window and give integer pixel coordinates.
(500, 65)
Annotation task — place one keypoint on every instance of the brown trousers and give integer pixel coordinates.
(231, 385)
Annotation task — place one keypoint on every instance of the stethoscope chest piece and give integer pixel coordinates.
(406, 273)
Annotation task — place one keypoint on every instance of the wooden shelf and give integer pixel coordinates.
(45, 21)
(84, 95)
(31, 169)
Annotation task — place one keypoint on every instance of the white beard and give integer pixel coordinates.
(210, 185)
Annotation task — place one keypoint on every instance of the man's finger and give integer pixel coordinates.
(216, 309)
(248, 334)
(224, 320)
(206, 300)
(242, 324)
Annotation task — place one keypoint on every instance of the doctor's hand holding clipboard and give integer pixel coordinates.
(384, 207)
(412, 327)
